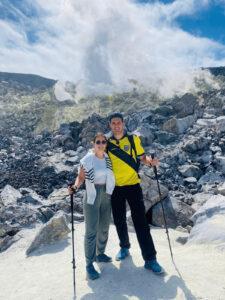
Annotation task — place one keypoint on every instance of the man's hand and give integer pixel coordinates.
(151, 162)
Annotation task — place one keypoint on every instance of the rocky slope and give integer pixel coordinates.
(33, 103)
(36, 103)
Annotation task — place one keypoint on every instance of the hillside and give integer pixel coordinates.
(34, 103)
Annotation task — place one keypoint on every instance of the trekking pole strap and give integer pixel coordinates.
(122, 155)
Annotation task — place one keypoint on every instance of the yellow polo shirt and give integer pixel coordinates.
(124, 174)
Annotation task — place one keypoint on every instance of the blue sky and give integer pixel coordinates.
(208, 22)
(22, 15)
(104, 43)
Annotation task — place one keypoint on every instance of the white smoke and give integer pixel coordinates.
(106, 44)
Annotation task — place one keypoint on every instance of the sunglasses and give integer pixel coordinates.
(100, 142)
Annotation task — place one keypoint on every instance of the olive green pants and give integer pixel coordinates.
(97, 219)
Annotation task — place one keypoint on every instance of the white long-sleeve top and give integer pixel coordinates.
(87, 163)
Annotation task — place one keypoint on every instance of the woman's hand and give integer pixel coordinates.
(72, 189)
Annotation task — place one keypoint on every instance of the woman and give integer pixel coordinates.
(96, 170)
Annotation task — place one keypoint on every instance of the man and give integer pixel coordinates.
(124, 151)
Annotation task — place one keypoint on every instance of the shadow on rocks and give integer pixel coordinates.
(50, 249)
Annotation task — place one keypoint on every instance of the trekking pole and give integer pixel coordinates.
(163, 211)
(73, 251)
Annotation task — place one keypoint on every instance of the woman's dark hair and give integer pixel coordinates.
(99, 134)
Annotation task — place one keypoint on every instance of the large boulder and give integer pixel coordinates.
(146, 134)
(185, 105)
(45, 214)
(223, 109)
(195, 144)
(9, 195)
(200, 199)
(71, 153)
(28, 200)
(164, 110)
(204, 158)
(165, 137)
(22, 214)
(177, 213)
(58, 195)
(206, 122)
(212, 177)
(178, 126)
(150, 191)
(6, 229)
(90, 127)
(30, 196)
(54, 230)
(209, 222)
(69, 134)
(134, 120)
(61, 200)
(221, 189)
(71, 161)
(7, 241)
(220, 124)
(190, 171)
(7, 236)
(220, 162)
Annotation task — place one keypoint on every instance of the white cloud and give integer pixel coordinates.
(106, 42)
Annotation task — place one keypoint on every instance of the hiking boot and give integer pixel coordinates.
(154, 266)
(122, 254)
(103, 258)
(92, 274)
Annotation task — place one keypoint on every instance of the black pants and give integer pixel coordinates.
(133, 194)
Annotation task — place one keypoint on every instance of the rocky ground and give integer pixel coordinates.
(198, 273)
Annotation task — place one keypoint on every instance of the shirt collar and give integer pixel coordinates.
(124, 135)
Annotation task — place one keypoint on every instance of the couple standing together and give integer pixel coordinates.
(110, 172)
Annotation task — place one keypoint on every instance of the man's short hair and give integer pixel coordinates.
(115, 115)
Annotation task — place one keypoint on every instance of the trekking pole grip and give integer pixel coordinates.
(71, 185)
(154, 167)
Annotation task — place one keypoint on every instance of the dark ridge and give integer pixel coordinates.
(34, 81)
(216, 71)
